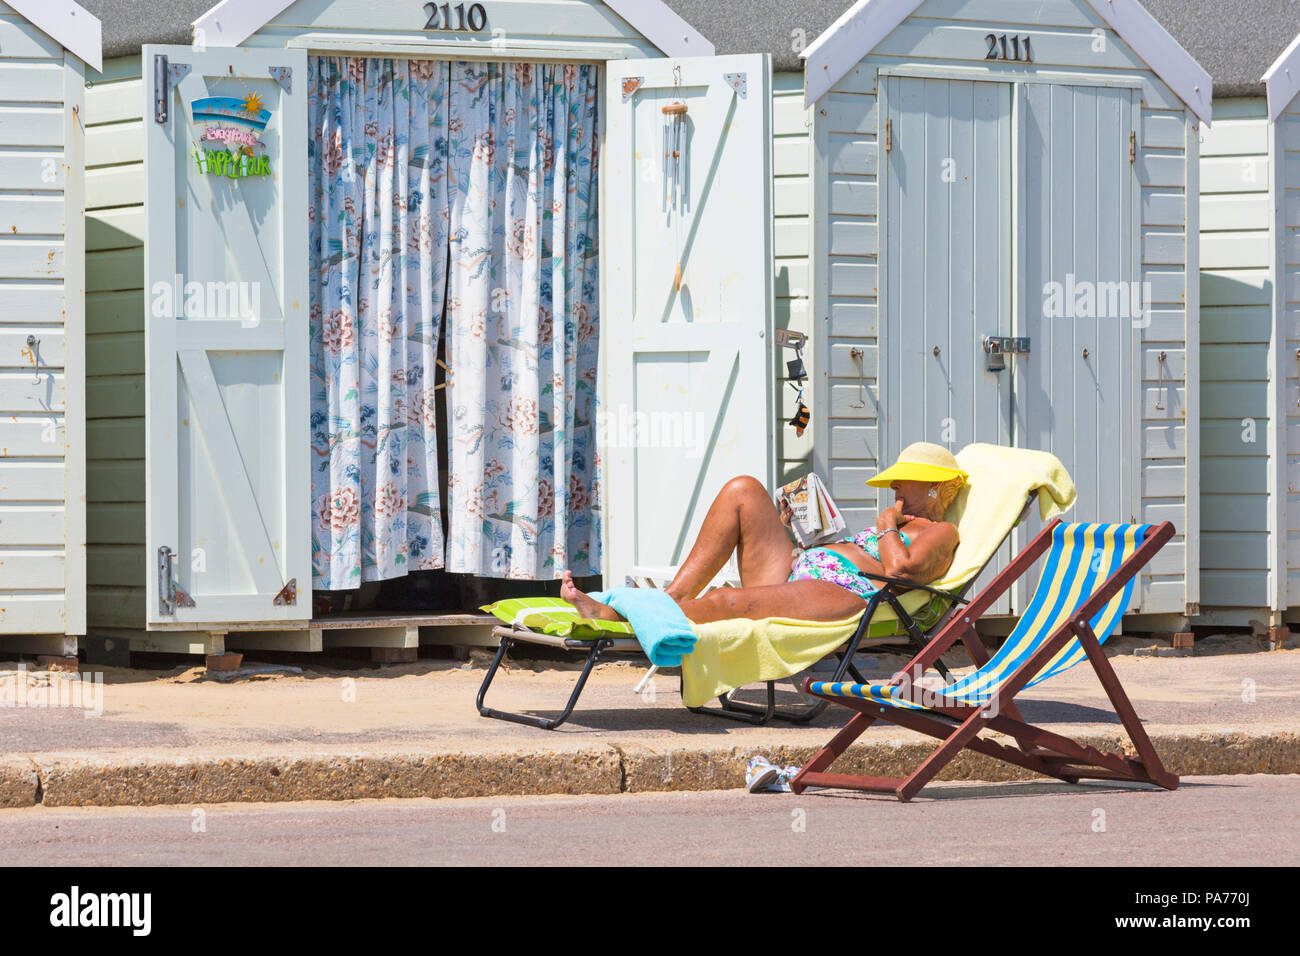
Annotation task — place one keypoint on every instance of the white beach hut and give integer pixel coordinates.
(45, 48)
(1003, 195)
(209, 528)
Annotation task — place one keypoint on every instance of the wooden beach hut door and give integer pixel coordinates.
(226, 334)
(948, 254)
(688, 397)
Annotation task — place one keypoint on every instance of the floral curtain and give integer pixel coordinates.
(378, 259)
(522, 320)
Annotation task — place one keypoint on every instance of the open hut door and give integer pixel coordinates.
(688, 398)
(226, 336)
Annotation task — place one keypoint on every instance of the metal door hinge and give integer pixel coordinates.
(889, 135)
(288, 594)
(630, 85)
(170, 594)
(1132, 147)
(282, 75)
(165, 77)
(738, 82)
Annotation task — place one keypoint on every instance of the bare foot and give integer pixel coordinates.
(586, 605)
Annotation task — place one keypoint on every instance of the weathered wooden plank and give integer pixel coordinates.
(114, 481)
(1163, 248)
(31, 480)
(1164, 129)
(21, 170)
(32, 214)
(116, 522)
(850, 277)
(114, 101)
(855, 196)
(115, 229)
(850, 113)
(1235, 137)
(854, 442)
(115, 144)
(115, 438)
(1234, 325)
(31, 82)
(853, 319)
(117, 396)
(19, 40)
(29, 570)
(851, 155)
(1235, 211)
(15, 353)
(31, 258)
(853, 237)
(1223, 174)
(1163, 207)
(115, 186)
(31, 525)
(31, 125)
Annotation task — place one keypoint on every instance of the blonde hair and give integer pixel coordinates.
(948, 491)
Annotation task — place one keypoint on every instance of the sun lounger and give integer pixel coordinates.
(1004, 484)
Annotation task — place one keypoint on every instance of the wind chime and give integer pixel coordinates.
(675, 185)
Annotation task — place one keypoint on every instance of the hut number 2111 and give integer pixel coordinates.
(1000, 49)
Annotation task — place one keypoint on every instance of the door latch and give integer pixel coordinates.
(170, 594)
(996, 346)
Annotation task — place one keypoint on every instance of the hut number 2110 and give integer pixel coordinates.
(999, 49)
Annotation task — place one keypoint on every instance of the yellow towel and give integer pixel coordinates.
(989, 502)
(731, 654)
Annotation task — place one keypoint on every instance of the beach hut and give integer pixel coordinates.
(1258, 286)
(245, 235)
(1003, 195)
(45, 48)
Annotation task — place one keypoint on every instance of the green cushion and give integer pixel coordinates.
(557, 617)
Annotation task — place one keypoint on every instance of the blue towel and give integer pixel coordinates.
(660, 626)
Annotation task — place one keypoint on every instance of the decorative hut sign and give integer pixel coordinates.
(231, 134)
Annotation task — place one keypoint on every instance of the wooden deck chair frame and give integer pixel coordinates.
(914, 635)
(958, 724)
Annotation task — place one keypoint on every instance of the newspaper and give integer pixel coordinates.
(815, 517)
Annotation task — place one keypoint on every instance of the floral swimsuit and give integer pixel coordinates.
(824, 564)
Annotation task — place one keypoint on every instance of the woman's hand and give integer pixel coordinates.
(889, 517)
(787, 516)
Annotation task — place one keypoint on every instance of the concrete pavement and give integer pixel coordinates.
(412, 731)
(1232, 821)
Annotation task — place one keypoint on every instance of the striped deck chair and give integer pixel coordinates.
(1082, 593)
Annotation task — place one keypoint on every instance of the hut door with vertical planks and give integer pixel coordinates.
(948, 194)
(1083, 307)
(226, 336)
(688, 400)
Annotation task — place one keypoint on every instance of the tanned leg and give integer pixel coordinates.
(798, 600)
(742, 519)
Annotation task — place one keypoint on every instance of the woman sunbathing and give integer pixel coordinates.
(910, 540)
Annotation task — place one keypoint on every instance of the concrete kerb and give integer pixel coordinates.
(65, 780)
